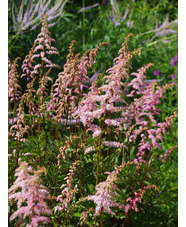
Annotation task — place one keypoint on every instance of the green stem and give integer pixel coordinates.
(16, 36)
(65, 218)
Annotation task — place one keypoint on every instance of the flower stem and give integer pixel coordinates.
(101, 218)
(99, 148)
(142, 186)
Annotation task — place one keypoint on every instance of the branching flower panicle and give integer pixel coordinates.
(137, 199)
(14, 89)
(106, 192)
(43, 45)
(28, 66)
(68, 88)
(167, 153)
(68, 191)
(28, 97)
(19, 128)
(153, 135)
(32, 192)
(102, 100)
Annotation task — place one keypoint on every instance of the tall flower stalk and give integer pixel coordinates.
(68, 88)
(107, 193)
(36, 64)
(67, 194)
(107, 96)
(14, 89)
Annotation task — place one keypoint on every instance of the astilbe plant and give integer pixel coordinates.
(106, 192)
(37, 59)
(30, 196)
(14, 88)
(133, 202)
(61, 92)
(103, 100)
(17, 132)
(19, 128)
(137, 119)
(108, 94)
(68, 88)
(37, 66)
(67, 194)
(43, 45)
(28, 66)
(142, 111)
(111, 119)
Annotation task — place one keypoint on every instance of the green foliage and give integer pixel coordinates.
(56, 146)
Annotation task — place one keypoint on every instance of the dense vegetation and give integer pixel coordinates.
(92, 111)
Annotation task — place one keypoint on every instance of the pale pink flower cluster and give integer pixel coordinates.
(89, 149)
(28, 98)
(133, 111)
(68, 191)
(114, 144)
(157, 134)
(40, 51)
(19, 128)
(43, 45)
(68, 88)
(168, 122)
(142, 111)
(138, 83)
(106, 192)
(151, 98)
(96, 133)
(28, 67)
(143, 108)
(114, 122)
(27, 188)
(88, 110)
(99, 102)
(14, 90)
(154, 135)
